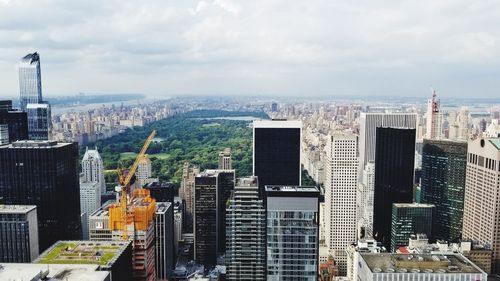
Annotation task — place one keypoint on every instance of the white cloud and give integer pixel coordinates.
(261, 46)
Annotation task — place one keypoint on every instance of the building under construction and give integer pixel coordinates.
(108, 223)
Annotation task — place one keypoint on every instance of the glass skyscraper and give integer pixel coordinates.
(31, 102)
(292, 215)
(408, 219)
(443, 184)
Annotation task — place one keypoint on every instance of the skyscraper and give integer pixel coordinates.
(18, 233)
(276, 152)
(186, 192)
(4, 134)
(341, 181)
(212, 190)
(45, 174)
(164, 234)
(482, 195)
(144, 173)
(443, 184)
(93, 169)
(292, 214)
(31, 102)
(434, 116)
(369, 122)
(16, 121)
(408, 219)
(90, 200)
(246, 232)
(365, 201)
(394, 167)
(225, 159)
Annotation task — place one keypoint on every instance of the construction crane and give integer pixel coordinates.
(125, 182)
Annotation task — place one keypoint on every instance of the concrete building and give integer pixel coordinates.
(144, 173)
(18, 233)
(434, 119)
(365, 201)
(186, 192)
(107, 224)
(443, 184)
(408, 219)
(164, 245)
(276, 152)
(341, 182)
(56, 272)
(112, 257)
(482, 195)
(45, 174)
(90, 200)
(246, 232)
(93, 169)
(292, 232)
(225, 162)
(363, 246)
(417, 267)
(178, 222)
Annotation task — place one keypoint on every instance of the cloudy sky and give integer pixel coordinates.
(256, 47)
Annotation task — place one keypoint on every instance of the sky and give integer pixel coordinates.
(258, 47)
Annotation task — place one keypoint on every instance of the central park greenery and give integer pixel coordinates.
(196, 137)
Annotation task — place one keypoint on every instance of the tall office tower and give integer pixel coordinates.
(482, 195)
(144, 174)
(212, 190)
(164, 246)
(45, 174)
(16, 121)
(408, 219)
(225, 159)
(178, 222)
(246, 232)
(365, 201)
(186, 192)
(4, 134)
(341, 182)
(18, 233)
(30, 80)
(394, 163)
(443, 184)
(93, 169)
(292, 214)
(369, 122)
(434, 116)
(276, 152)
(90, 200)
(107, 223)
(30, 84)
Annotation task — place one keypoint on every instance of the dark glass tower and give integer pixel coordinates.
(443, 184)
(18, 233)
(276, 152)
(17, 121)
(394, 167)
(409, 219)
(44, 174)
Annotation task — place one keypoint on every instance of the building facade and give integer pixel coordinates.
(16, 121)
(365, 201)
(341, 182)
(225, 162)
(18, 233)
(482, 195)
(186, 192)
(276, 152)
(409, 219)
(90, 200)
(93, 168)
(45, 174)
(292, 215)
(443, 184)
(164, 246)
(434, 118)
(246, 233)
(394, 170)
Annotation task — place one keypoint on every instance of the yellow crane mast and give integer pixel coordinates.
(125, 182)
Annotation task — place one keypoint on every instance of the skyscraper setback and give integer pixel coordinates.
(276, 152)
(394, 169)
(45, 174)
(31, 102)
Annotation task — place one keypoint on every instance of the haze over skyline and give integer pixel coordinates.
(279, 48)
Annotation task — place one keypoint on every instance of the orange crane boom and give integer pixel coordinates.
(125, 181)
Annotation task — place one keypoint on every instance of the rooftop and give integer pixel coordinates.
(103, 253)
(72, 272)
(16, 209)
(34, 144)
(289, 188)
(419, 263)
(413, 205)
(495, 142)
(277, 124)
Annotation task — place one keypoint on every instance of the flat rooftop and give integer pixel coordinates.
(35, 144)
(419, 263)
(70, 272)
(291, 188)
(280, 124)
(103, 253)
(413, 205)
(16, 209)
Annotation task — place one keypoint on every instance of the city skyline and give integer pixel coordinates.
(220, 47)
